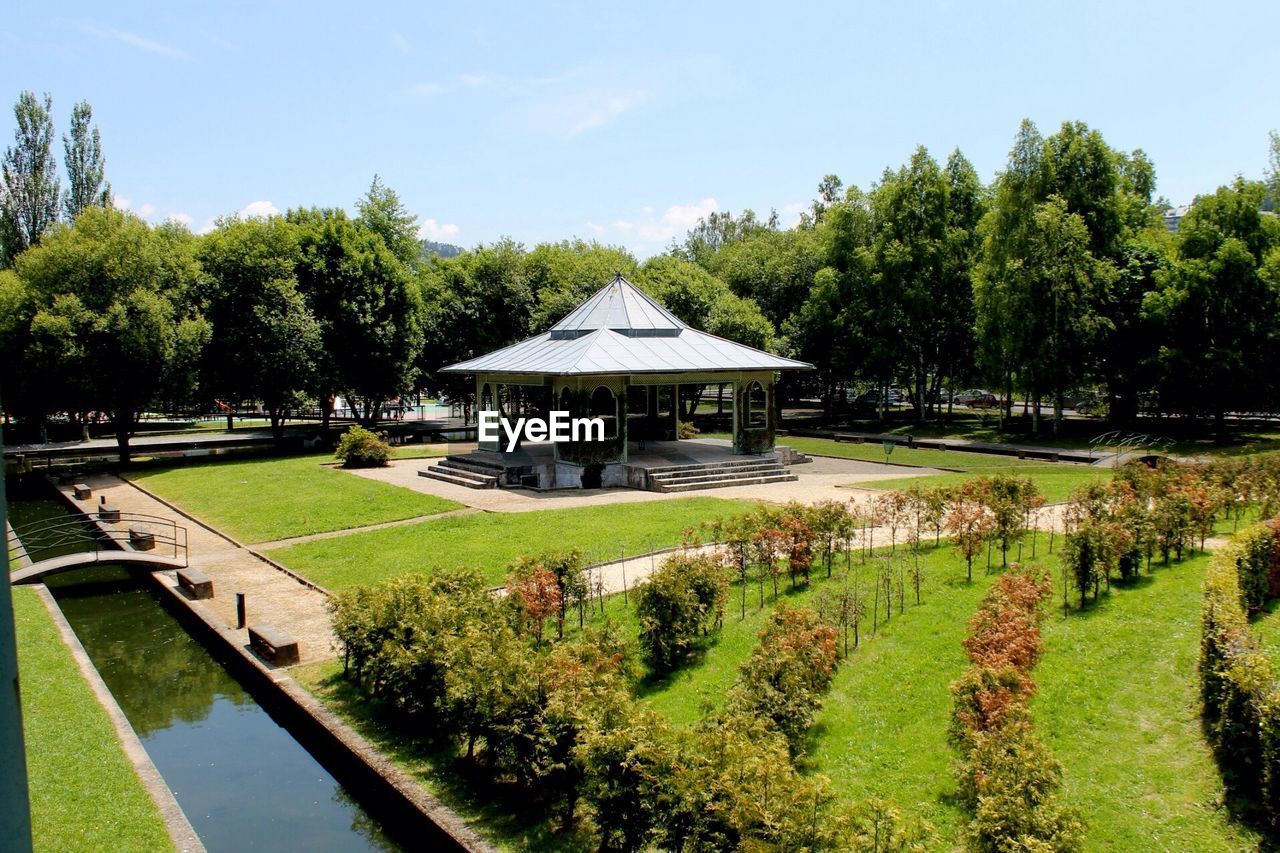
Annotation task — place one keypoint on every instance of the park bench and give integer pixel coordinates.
(141, 538)
(272, 644)
(195, 582)
(82, 491)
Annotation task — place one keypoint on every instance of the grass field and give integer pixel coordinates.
(84, 792)
(261, 500)
(921, 457)
(490, 541)
(1117, 705)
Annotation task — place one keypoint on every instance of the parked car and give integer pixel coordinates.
(984, 401)
(966, 398)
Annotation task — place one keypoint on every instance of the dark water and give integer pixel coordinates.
(243, 781)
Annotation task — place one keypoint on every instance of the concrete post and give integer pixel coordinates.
(15, 806)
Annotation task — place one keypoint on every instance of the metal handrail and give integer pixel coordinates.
(103, 535)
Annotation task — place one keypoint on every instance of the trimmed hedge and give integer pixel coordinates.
(1007, 777)
(1237, 681)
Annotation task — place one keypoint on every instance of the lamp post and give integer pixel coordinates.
(15, 809)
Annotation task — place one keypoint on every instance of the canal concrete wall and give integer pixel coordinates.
(385, 790)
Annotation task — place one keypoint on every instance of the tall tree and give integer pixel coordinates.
(265, 341)
(966, 205)
(382, 212)
(1001, 288)
(112, 292)
(86, 168)
(910, 210)
(1064, 279)
(30, 188)
(1219, 307)
(369, 308)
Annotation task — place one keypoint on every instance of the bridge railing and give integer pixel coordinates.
(132, 531)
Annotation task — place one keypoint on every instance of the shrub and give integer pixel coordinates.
(1238, 683)
(674, 607)
(1007, 778)
(986, 698)
(627, 779)
(393, 635)
(788, 672)
(1011, 782)
(362, 448)
(1256, 554)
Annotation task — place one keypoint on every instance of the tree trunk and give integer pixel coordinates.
(326, 409)
(124, 426)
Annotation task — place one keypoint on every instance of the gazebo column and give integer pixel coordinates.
(483, 404)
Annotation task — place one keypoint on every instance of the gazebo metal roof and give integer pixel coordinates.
(620, 329)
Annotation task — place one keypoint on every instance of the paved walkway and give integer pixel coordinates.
(270, 594)
(825, 478)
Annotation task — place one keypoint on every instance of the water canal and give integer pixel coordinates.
(242, 779)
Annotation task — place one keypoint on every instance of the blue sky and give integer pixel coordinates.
(625, 122)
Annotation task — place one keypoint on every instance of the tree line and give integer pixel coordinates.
(1059, 275)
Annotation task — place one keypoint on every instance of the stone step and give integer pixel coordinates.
(679, 476)
(459, 478)
(470, 465)
(736, 464)
(723, 482)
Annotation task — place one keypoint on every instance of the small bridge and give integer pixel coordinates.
(133, 539)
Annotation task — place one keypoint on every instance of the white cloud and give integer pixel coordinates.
(146, 210)
(651, 232)
(181, 218)
(120, 202)
(437, 231)
(790, 214)
(133, 40)
(676, 221)
(258, 208)
(400, 43)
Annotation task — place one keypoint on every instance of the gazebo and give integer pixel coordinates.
(622, 357)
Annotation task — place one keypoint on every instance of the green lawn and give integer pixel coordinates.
(490, 541)
(1056, 481)
(84, 792)
(1117, 705)
(260, 500)
(959, 460)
